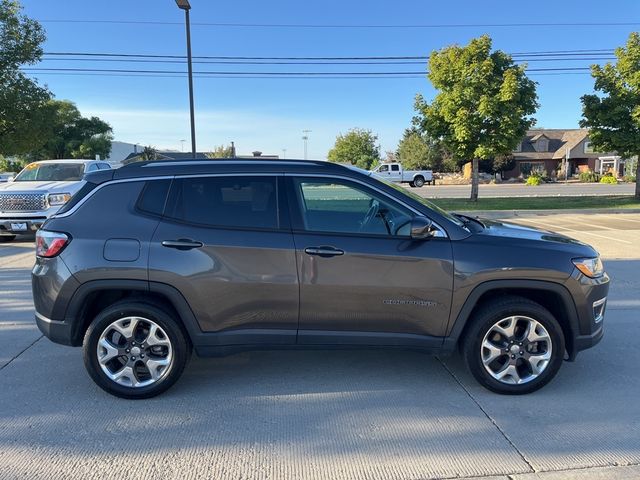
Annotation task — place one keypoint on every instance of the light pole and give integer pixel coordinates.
(184, 5)
(284, 153)
(305, 138)
(182, 145)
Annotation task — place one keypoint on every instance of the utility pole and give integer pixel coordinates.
(182, 145)
(284, 153)
(305, 138)
(184, 5)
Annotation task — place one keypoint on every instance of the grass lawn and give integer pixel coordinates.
(538, 203)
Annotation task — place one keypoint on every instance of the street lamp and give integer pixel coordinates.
(184, 5)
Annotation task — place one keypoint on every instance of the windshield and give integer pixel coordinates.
(51, 172)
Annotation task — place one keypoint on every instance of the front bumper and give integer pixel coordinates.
(56, 330)
(582, 342)
(31, 224)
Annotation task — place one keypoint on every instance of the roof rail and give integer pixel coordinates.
(238, 161)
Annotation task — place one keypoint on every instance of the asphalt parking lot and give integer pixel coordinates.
(327, 415)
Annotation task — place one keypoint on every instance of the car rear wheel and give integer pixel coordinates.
(7, 238)
(418, 182)
(135, 350)
(514, 346)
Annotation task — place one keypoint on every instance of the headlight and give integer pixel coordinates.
(591, 267)
(58, 198)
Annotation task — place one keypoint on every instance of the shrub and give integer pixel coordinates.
(534, 180)
(629, 178)
(588, 177)
(608, 179)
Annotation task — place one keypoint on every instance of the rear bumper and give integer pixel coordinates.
(55, 330)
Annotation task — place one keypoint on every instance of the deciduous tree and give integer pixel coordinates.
(612, 114)
(357, 147)
(21, 98)
(70, 135)
(484, 103)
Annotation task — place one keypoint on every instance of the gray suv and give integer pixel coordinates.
(150, 261)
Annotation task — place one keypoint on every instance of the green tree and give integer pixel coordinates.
(149, 153)
(357, 147)
(221, 151)
(418, 151)
(70, 135)
(484, 104)
(612, 115)
(21, 98)
(413, 151)
(14, 165)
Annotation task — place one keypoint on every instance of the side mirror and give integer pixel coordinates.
(421, 228)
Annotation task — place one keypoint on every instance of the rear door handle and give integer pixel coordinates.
(324, 251)
(182, 244)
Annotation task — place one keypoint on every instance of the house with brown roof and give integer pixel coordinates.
(545, 151)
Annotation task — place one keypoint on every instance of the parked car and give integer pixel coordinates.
(235, 255)
(6, 177)
(39, 191)
(394, 172)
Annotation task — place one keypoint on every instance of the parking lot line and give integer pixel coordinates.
(552, 226)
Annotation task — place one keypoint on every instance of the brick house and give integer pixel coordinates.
(544, 150)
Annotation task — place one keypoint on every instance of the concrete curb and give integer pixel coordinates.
(491, 214)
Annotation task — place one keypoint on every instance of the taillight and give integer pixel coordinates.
(50, 244)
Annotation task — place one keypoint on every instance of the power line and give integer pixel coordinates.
(346, 26)
(285, 62)
(258, 76)
(557, 53)
(209, 72)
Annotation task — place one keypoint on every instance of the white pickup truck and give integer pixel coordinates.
(394, 173)
(39, 191)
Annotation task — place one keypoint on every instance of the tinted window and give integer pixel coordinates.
(345, 207)
(244, 202)
(92, 167)
(153, 197)
(395, 168)
(104, 166)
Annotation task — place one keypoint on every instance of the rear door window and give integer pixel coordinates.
(232, 202)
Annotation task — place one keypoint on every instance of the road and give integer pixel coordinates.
(521, 190)
(328, 414)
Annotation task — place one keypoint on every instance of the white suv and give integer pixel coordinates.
(39, 191)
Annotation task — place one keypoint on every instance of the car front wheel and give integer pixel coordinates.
(514, 346)
(135, 350)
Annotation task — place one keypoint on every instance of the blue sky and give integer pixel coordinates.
(270, 114)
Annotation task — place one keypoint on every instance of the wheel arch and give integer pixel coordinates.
(94, 296)
(553, 296)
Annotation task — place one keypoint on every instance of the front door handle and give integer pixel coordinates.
(182, 244)
(324, 251)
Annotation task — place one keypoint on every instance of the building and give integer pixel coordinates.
(546, 151)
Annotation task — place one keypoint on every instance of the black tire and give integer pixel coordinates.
(483, 321)
(180, 348)
(418, 181)
(7, 238)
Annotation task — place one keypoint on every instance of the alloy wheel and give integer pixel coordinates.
(516, 350)
(134, 352)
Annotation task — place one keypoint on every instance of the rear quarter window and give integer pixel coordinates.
(154, 197)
